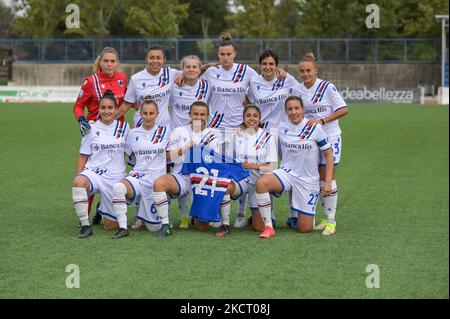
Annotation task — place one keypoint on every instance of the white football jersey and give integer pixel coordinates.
(149, 148)
(157, 86)
(259, 148)
(229, 89)
(270, 96)
(105, 145)
(322, 100)
(209, 138)
(181, 99)
(300, 149)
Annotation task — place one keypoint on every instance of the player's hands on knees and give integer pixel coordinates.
(326, 189)
(85, 128)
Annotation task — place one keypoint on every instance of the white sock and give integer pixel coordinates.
(242, 205)
(183, 204)
(162, 206)
(120, 204)
(225, 207)
(264, 206)
(80, 201)
(292, 214)
(329, 203)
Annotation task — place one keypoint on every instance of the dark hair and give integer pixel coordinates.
(226, 40)
(293, 98)
(268, 53)
(108, 95)
(198, 103)
(148, 100)
(155, 47)
(251, 106)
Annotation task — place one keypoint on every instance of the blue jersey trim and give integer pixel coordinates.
(322, 143)
(323, 165)
(134, 191)
(91, 185)
(299, 211)
(340, 107)
(147, 221)
(281, 182)
(179, 186)
(107, 214)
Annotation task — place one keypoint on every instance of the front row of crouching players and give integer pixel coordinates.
(201, 166)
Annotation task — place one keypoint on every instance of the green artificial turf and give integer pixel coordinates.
(393, 211)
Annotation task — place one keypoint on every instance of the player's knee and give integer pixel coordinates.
(119, 190)
(236, 190)
(201, 226)
(305, 227)
(110, 224)
(158, 185)
(80, 181)
(231, 188)
(262, 185)
(305, 230)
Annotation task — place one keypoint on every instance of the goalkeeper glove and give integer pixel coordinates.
(85, 128)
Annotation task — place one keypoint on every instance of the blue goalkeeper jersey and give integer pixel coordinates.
(210, 174)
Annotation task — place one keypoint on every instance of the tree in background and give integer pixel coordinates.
(346, 19)
(156, 18)
(335, 18)
(6, 17)
(95, 16)
(254, 18)
(424, 24)
(287, 17)
(206, 18)
(42, 18)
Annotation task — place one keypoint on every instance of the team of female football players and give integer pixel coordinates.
(256, 119)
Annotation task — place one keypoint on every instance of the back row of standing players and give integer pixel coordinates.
(227, 87)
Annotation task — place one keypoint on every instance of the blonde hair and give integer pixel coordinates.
(309, 57)
(191, 57)
(97, 66)
(226, 37)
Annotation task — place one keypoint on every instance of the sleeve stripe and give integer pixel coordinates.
(322, 143)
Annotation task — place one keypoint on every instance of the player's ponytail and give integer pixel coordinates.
(109, 95)
(309, 57)
(97, 66)
(226, 40)
(149, 101)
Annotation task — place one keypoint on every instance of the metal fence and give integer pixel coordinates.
(132, 50)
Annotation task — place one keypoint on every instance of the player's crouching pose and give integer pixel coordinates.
(148, 143)
(298, 170)
(181, 140)
(101, 164)
(256, 149)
